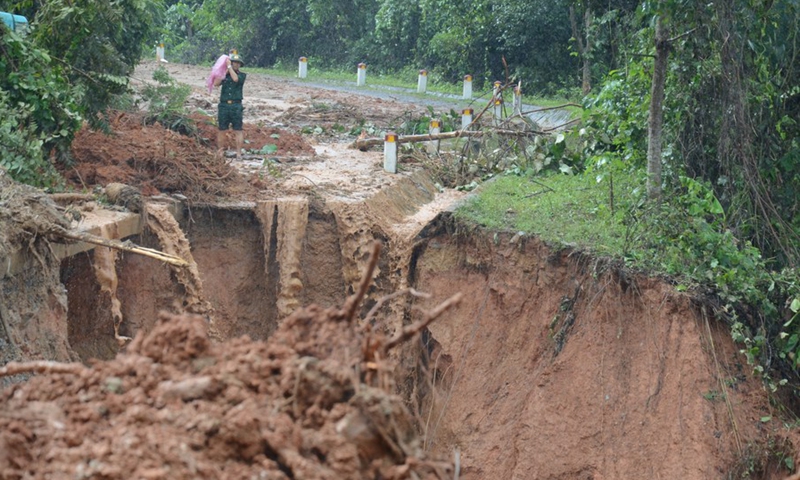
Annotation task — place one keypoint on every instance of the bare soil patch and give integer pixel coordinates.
(177, 405)
(157, 160)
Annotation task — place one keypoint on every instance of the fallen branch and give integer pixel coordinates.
(117, 245)
(557, 107)
(571, 122)
(352, 303)
(365, 143)
(411, 330)
(381, 301)
(71, 197)
(40, 366)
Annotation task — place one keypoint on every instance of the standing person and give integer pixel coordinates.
(230, 103)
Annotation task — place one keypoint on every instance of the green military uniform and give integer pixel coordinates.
(230, 102)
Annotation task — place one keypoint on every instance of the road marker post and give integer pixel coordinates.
(302, 67)
(422, 82)
(390, 152)
(466, 118)
(497, 91)
(467, 94)
(160, 52)
(361, 77)
(518, 100)
(435, 128)
(498, 111)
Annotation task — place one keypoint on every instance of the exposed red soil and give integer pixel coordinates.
(560, 366)
(177, 405)
(157, 160)
(555, 366)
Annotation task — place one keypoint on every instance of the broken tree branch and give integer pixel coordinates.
(117, 245)
(571, 122)
(411, 330)
(40, 366)
(365, 143)
(381, 301)
(557, 107)
(71, 197)
(352, 302)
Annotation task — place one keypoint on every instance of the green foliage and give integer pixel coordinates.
(616, 118)
(97, 42)
(39, 111)
(449, 39)
(561, 209)
(165, 102)
(410, 124)
(690, 238)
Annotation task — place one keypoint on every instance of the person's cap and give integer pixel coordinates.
(237, 58)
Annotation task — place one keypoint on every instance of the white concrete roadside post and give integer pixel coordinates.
(422, 82)
(497, 92)
(518, 99)
(466, 118)
(160, 52)
(390, 152)
(498, 111)
(302, 68)
(467, 87)
(435, 128)
(361, 78)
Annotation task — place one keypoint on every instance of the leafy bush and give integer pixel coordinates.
(39, 111)
(165, 102)
(97, 42)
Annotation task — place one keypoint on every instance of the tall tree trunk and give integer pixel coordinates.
(655, 125)
(583, 45)
(587, 52)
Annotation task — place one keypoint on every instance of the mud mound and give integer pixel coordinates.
(256, 137)
(177, 406)
(155, 159)
(25, 214)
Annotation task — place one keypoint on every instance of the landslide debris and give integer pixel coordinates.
(312, 402)
(26, 213)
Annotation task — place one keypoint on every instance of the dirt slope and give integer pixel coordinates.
(558, 366)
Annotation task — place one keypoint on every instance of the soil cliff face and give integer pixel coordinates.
(557, 365)
(33, 304)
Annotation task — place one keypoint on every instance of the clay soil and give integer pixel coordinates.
(555, 365)
(177, 406)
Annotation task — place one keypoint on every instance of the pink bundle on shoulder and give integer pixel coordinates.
(217, 72)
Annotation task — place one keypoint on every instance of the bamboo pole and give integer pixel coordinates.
(117, 245)
(40, 366)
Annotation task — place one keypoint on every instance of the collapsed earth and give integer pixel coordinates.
(295, 311)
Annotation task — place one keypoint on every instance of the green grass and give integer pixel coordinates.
(405, 79)
(562, 209)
